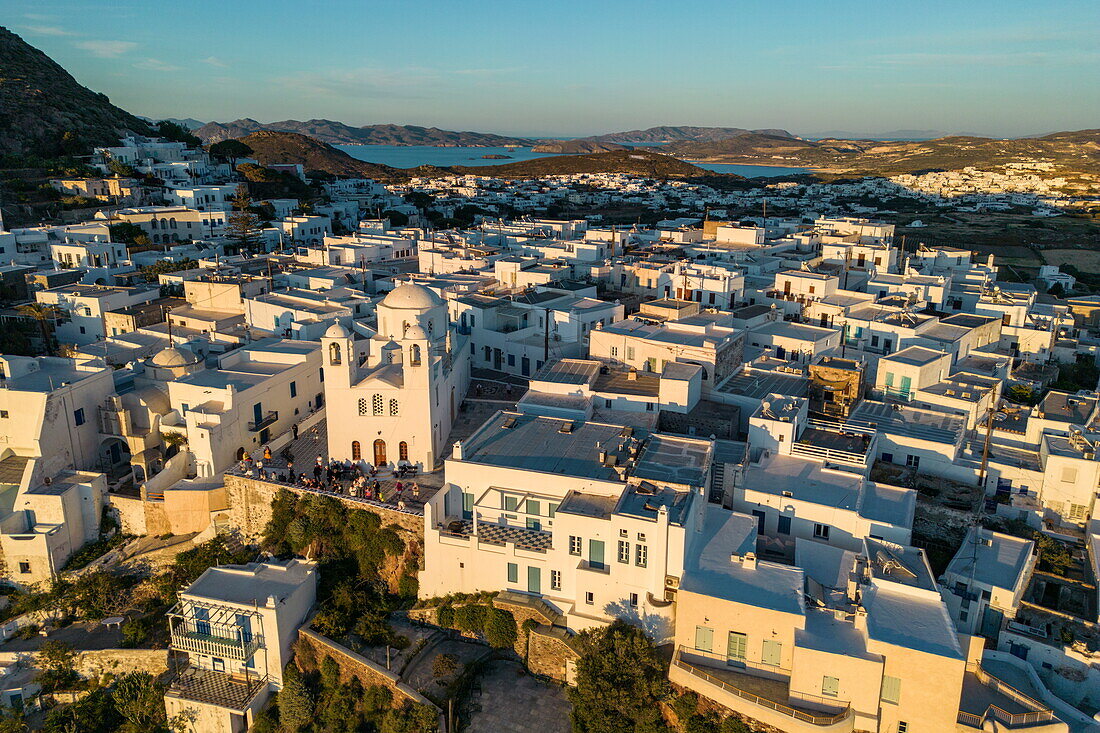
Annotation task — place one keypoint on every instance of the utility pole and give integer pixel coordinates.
(546, 338)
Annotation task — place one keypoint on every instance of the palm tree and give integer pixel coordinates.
(45, 314)
(174, 442)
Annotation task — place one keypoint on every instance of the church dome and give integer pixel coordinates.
(337, 331)
(174, 356)
(412, 296)
(416, 333)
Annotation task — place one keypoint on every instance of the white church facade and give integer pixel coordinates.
(392, 398)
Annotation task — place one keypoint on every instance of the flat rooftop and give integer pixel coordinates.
(533, 443)
(996, 560)
(914, 356)
(911, 620)
(253, 583)
(568, 371)
(907, 421)
(1066, 407)
(714, 572)
(758, 384)
(676, 460)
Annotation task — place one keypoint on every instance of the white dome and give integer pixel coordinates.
(412, 296)
(336, 331)
(416, 333)
(174, 356)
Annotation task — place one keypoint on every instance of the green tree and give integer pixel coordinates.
(470, 618)
(46, 315)
(177, 133)
(620, 681)
(243, 226)
(57, 660)
(97, 594)
(139, 699)
(121, 169)
(295, 701)
(500, 628)
(410, 719)
(230, 150)
(94, 713)
(126, 232)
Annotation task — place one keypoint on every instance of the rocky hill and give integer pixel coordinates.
(576, 147)
(45, 111)
(337, 133)
(635, 162)
(1070, 152)
(679, 133)
(270, 147)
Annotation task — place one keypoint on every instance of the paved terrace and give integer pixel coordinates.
(312, 443)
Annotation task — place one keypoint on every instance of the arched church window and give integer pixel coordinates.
(376, 404)
(403, 451)
(415, 351)
(364, 407)
(394, 408)
(356, 451)
(334, 354)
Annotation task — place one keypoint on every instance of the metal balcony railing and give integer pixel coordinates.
(187, 637)
(267, 420)
(819, 720)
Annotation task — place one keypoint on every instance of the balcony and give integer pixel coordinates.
(758, 697)
(201, 642)
(987, 697)
(255, 426)
(231, 691)
(214, 631)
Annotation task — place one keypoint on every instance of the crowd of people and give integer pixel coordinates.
(348, 478)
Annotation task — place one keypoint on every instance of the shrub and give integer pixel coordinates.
(445, 615)
(444, 664)
(500, 628)
(470, 618)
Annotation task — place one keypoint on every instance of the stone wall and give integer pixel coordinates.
(311, 649)
(550, 652)
(96, 662)
(250, 506)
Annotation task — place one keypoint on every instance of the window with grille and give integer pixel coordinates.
(363, 409)
(356, 451)
(624, 551)
(394, 409)
(555, 580)
(376, 404)
(403, 451)
(641, 555)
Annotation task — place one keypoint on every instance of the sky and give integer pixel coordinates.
(582, 67)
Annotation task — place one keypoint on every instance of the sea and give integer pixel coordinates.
(411, 156)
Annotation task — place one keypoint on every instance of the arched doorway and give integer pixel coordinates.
(379, 452)
(403, 451)
(356, 452)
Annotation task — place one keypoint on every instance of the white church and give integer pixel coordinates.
(393, 398)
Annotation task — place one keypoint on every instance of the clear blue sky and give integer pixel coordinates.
(578, 67)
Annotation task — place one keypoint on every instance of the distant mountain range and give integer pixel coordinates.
(678, 133)
(1072, 151)
(337, 133)
(45, 111)
(187, 123)
(269, 147)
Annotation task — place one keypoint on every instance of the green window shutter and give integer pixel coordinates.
(595, 553)
(511, 503)
(830, 686)
(704, 639)
(736, 646)
(533, 507)
(772, 653)
(891, 690)
(513, 573)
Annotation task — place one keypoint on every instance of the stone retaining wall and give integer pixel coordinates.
(312, 648)
(250, 506)
(550, 653)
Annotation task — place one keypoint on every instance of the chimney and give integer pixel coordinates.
(457, 451)
(632, 375)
